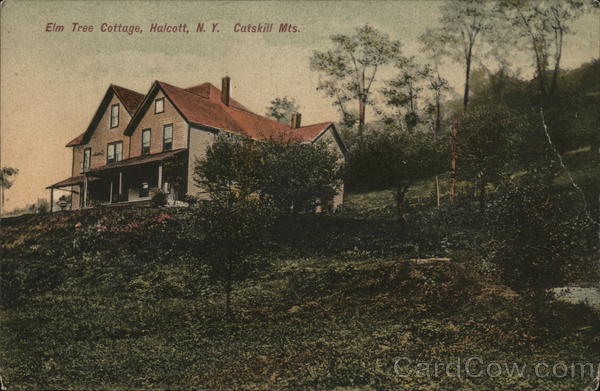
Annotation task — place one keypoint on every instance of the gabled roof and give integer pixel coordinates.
(131, 101)
(201, 106)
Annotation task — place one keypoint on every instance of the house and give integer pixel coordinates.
(137, 145)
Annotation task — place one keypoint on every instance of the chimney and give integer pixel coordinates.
(296, 120)
(225, 90)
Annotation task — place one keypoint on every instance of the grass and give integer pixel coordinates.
(335, 310)
(339, 302)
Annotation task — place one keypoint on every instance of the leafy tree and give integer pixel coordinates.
(350, 68)
(464, 23)
(297, 175)
(6, 182)
(488, 146)
(293, 175)
(403, 92)
(395, 159)
(537, 235)
(541, 27)
(281, 109)
(228, 231)
(231, 166)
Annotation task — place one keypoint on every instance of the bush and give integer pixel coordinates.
(159, 199)
(537, 236)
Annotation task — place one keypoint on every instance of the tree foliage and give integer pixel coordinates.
(292, 175)
(350, 69)
(395, 159)
(281, 109)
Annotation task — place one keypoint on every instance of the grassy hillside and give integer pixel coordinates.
(110, 300)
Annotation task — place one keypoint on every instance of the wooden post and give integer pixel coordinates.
(453, 156)
(51, 199)
(160, 168)
(120, 183)
(110, 197)
(85, 189)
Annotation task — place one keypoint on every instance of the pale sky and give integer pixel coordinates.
(52, 83)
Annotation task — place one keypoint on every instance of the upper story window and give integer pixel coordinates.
(159, 105)
(114, 152)
(87, 155)
(114, 115)
(168, 137)
(145, 141)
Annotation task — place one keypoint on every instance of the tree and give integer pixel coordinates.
(391, 158)
(542, 26)
(228, 232)
(350, 68)
(293, 175)
(281, 109)
(488, 147)
(403, 92)
(464, 23)
(6, 182)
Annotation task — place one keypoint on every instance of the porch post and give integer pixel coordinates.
(51, 199)
(160, 168)
(85, 190)
(120, 183)
(110, 196)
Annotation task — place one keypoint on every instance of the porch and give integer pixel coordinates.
(137, 179)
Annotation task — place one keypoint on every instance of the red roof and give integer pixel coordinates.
(130, 98)
(310, 132)
(131, 101)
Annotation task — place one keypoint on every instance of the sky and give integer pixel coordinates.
(51, 83)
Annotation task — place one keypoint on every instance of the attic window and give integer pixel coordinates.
(159, 105)
(114, 115)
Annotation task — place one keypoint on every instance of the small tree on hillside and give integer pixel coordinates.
(488, 146)
(229, 230)
(6, 182)
(396, 159)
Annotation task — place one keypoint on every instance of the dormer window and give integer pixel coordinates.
(145, 141)
(159, 105)
(114, 115)
(114, 152)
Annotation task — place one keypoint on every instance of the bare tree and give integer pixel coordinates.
(350, 68)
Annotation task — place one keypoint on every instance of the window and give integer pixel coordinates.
(114, 115)
(87, 154)
(144, 189)
(159, 105)
(114, 152)
(168, 137)
(145, 141)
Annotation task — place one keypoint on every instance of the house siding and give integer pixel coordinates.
(332, 144)
(200, 140)
(155, 122)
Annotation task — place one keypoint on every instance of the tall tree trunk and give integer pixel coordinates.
(557, 58)
(361, 114)
(400, 195)
(467, 78)
(438, 114)
(453, 158)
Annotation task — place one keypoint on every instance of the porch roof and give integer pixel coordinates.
(74, 180)
(139, 160)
